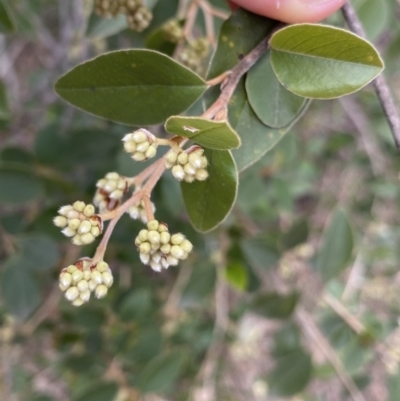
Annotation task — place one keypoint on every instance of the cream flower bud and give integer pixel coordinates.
(156, 266)
(96, 277)
(183, 158)
(178, 172)
(84, 227)
(201, 174)
(154, 237)
(189, 169)
(116, 194)
(65, 279)
(153, 225)
(100, 291)
(102, 266)
(177, 239)
(95, 231)
(156, 257)
(130, 147)
(177, 251)
(107, 279)
(195, 160)
(165, 249)
(79, 206)
(171, 157)
(76, 240)
(189, 178)
(89, 210)
(165, 237)
(162, 228)
(68, 232)
(64, 210)
(78, 302)
(60, 221)
(74, 224)
(71, 269)
(142, 147)
(164, 263)
(77, 276)
(92, 285)
(139, 136)
(144, 248)
(72, 293)
(134, 212)
(87, 238)
(151, 152)
(172, 261)
(73, 214)
(112, 176)
(63, 287)
(139, 157)
(187, 246)
(143, 235)
(145, 258)
(82, 285)
(85, 295)
(87, 275)
(110, 186)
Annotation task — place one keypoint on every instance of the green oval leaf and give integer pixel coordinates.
(274, 105)
(210, 134)
(19, 288)
(134, 87)
(161, 372)
(18, 185)
(6, 20)
(337, 246)
(291, 373)
(40, 251)
(274, 305)
(209, 202)
(322, 62)
(233, 44)
(99, 391)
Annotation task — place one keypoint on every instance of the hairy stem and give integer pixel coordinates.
(380, 85)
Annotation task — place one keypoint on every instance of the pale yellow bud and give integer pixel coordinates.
(177, 239)
(164, 263)
(87, 275)
(89, 210)
(92, 285)
(165, 249)
(195, 160)
(71, 269)
(107, 279)
(130, 147)
(84, 227)
(156, 266)
(65, 279)
(102, 266)
(73, 214)
(162, 228)
(156, 257)
(76, 240)
(96, 277)
(78, 302)
(74, 224)
(183, 158)
(201, 174)
(139, 136)
(60, 221)
(154, 237)
(87, 238)
(145, 258)
(139, 157)
(72, 293)
(142, 147)
(204, 162)
(117, 194)
(64, 210)
(151, 152)
(153, 225)
(172, 260)
(145, 247)
(85, 295)
(143, 235)
(178, 172)
(187, 246)
(68, 232)
(82, 285)
(100, 291)
(177, 251)
(110, 186)
(79, 206)
(112, 176)
(95, 231)
(189, 178)
(189, 169)
(165, 237)
(77, 276)
(171, 157)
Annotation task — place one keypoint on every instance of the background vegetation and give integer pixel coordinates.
(296, 296)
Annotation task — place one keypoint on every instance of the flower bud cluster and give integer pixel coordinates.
(159, 249)
(139, 211)
(172, 31)
(194, 55)
(78, 281)
(80, 222)
(110, 191)
(138, 16)
(188, 165)
(141, 144)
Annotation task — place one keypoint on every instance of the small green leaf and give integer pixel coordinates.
(101, 28)
(134, 87)
(274, 105)
(258, 254)
(18, 287)
(297, 234)
(40, 251)
(322, 62)
(161, 372)
(18, 185)
(210, 134)
(237, 276)
(274, 305)
(209, 202)
(100, 391)
(233, 44)
(5, 113)
(337, 246)
(291, 374)
(6, 20)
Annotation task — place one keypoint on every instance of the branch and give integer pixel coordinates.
(380, 85)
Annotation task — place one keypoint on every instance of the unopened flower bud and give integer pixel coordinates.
(84, 227)
(186, 246)
(145, 247)
(100, 291)
(72, 293)
(107, 279)
(154, 237)
(177, 251)
(79, 206)
(152, 225)
(89, 210)
(177, 239)
(183, 158)
(201, 174)
(60, 221)
(178, 172)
